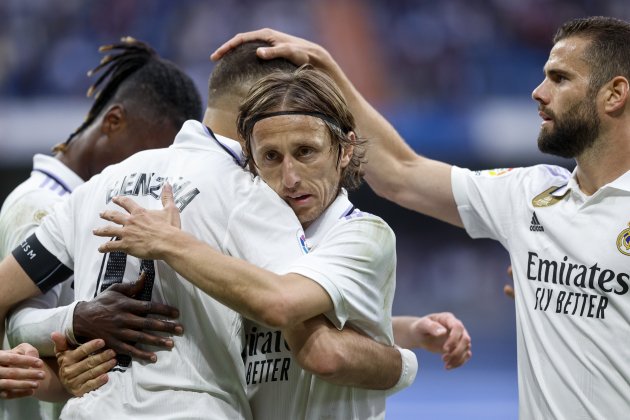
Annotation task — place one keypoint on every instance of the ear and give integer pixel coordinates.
(616, 95)
(346, 153)
(114, 119)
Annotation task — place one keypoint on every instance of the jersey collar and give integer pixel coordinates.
(56, 170)
(339, 208)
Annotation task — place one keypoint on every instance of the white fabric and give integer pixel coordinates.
(571, 280)
(33, 321)
(353, 258)
(202, 377)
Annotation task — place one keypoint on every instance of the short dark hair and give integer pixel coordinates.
(137, 74)
(308, 91)
(240, 68)
(608, 53)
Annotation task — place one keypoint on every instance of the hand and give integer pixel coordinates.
(437, 333)
(85, 368)
(297, 50)
(142, 232)
(507, 289)
(21, 371)
(119, 320)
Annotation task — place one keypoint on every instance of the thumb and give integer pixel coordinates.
(167, 194)
(130, 289)
(61, 344)
(434, 328)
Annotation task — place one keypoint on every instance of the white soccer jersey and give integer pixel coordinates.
(22, 211)
(202, 377)
(353, 258)
(570, 255)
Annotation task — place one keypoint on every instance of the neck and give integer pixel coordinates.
(222, 121)
(606, 161)
(75, 158)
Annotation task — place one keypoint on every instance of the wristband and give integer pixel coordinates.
(408, 371)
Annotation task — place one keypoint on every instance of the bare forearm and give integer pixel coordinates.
(265, 297)
(343, 357)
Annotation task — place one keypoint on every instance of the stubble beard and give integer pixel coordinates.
(575, 132)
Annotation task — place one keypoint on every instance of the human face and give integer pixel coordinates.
(293, 155)
(565, 103)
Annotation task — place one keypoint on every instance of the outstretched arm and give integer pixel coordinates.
(393, 170)
(438, 333)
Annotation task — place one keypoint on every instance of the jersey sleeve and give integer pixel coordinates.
(56, 233)
(355, 263)
(35, 319)
(485, 200)
(21, 218)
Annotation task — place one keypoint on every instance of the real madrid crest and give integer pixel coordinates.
(623, 241)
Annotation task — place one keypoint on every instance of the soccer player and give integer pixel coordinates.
(203, 375)
(141, 102)
(567, 233)
(299, 136)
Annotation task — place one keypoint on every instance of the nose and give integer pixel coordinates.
(539, 94)
(290, 177)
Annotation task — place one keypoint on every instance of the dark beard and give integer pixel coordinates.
(575, 132)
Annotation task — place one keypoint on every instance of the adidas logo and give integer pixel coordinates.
(536, 226)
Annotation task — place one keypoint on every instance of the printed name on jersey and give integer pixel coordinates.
(261, 352)
(150, 184)
(535, 225)
(303, 241)
(546, 198)
(576, 277)
(493, 172)
(623, 241)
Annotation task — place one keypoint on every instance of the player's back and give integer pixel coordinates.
(202, 376)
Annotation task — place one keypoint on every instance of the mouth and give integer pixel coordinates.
(297, 199)
(545, 117)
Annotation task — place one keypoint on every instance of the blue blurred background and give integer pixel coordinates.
(453, 76)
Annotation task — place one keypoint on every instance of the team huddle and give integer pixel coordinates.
(228, 275)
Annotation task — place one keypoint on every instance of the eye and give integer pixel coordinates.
(305, 151)
(270, 156)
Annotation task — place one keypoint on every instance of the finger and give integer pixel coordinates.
(84, 351)
(12, 394)
(91, 385)
(10, 359)
(26, 349)
(509, 291)
(130, 289)
(238, 39)
(110, 246)
(100, 363)
(137, 353)
(283, 51)
(114, 216)
(8, 385)
(155, 308)
(137, 336)
(127, 204)
(510, 272)
(61, 344)
(109, 231)
(167, 195)
(458, 360)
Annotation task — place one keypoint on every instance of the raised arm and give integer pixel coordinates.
(394, 170)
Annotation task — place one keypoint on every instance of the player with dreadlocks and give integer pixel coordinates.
(141, 101)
